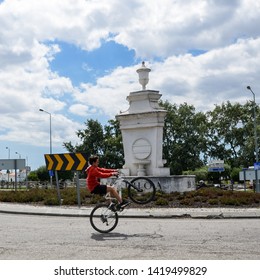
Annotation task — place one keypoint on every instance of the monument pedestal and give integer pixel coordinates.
(142, 132)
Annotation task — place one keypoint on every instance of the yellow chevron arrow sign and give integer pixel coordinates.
(83, 161)
(70, 161)
(66, 162)
(49, 162)
(60, 162)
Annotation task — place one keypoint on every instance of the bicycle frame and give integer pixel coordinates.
(118, 183)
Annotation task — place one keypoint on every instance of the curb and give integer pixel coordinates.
(131, 216)
(154, 213)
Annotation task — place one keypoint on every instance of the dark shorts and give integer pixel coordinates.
(100, 189)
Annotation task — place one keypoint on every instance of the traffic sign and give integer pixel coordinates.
(12, 164)
(257, 165)
(216, 169)
(248, 174)
(66, 162)
(216, 166)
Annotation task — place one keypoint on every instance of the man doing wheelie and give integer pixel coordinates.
(94, 173)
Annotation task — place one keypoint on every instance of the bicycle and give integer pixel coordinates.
(104, 217)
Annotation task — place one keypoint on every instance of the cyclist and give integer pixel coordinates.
(94, 173)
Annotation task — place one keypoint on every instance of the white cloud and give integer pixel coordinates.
(212, 78)
(82, 110)
(178, 26)
(109, 93)
(161, 31)
(175, 27)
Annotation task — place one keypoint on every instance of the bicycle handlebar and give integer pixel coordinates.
(120, 174)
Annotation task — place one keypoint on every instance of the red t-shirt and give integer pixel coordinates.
(94, 173)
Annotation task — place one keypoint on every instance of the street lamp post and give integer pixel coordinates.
(19, 174)
(255, 136)
(18, 154)
(8, 152)
(26, 171)
(8, 171)
(41, 110)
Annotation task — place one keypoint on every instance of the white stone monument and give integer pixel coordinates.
(142, 131)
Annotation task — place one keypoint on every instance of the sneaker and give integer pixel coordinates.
(112, 207)
(124, 203)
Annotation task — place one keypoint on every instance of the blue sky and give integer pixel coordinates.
(86, 66)
(78, 59)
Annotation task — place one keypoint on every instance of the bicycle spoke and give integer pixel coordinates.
(141, 190)
(103, 219)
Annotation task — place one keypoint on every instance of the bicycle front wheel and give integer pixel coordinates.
(103, 219)
(141, 190)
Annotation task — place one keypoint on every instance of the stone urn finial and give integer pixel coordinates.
(143, 73)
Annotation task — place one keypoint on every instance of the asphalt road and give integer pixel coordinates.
(26, 237)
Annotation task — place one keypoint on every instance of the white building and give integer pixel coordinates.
(21, 176)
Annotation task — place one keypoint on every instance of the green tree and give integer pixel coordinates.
(32, 176)
(42, 173)
(103, 141)
(201, 173)
(184, 142)
(230, 133)
(190, 138)
(113, 147)
(234, 174)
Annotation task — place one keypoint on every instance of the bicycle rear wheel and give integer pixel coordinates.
(103, 219)
(141, 190)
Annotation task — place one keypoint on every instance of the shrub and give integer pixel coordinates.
(190, 194)
(199, 198)
(187, 201)
(229, 201)
(95, 199)
(51, 201)
(213, 201)
(256, 198)
(159, 194)
(70, 200)
(161, 201)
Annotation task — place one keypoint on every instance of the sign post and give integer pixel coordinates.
(67, 162)
(216, 166)
(78, 188)
(244, 173)
(57, 186)
(256, 168)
